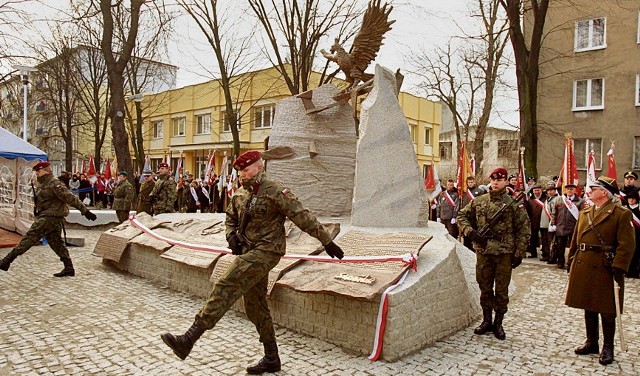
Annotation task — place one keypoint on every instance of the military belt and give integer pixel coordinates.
(595, 247)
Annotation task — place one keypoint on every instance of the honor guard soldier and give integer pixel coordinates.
(499, 228)
(51, 200)
(122, 197)
(163, 195)
(256, 235)
(601, 249)
(144, 201)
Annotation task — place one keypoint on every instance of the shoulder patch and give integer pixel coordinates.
(285, 191)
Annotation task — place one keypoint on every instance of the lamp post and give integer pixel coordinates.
(24, 74)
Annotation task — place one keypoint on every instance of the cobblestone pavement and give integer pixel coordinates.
(103, 322)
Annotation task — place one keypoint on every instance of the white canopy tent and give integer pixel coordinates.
(16, 198)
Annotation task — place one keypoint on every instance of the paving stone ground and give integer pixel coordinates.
(104, 322)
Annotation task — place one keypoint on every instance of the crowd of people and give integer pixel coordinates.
(504, 224)
(553, 215)
(189, 195)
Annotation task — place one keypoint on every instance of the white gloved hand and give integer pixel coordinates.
(552, 228)
(434, 206)
(438, 220)
(453, 221)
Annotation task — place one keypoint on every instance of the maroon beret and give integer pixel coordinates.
(499, 173)
(163, 164)
(41, 165)
(246, 159)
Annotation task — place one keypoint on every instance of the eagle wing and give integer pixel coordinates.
(367, 42)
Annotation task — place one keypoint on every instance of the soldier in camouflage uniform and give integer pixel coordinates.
(122, 197)
(144, 201)
(51, 200)
(499, 253)
(255, 232)
(163, 195)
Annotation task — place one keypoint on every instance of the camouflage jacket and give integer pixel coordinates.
(163, 194)
(53, 197)
(265, 228)
(123, 196)
(144, 202)
(511, 232)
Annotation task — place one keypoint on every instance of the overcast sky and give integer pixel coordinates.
(421, 25)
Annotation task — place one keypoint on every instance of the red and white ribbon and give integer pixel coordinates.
(381, 322)
(408, 259)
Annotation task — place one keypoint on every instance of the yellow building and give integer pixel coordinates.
(189, 121)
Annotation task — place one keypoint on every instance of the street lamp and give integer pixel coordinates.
(24, 74)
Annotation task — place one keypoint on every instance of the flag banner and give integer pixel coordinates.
(107, 170)
(612, 171)
(91, 169)
(223, 174)
(178, 169)
(464, 169)
(569, 169)
(521, 180)
(432, 183)
(147, 167)
(84, 166)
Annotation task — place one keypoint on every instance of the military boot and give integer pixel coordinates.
(182, 344)
(498, 330)
(7, 260)
(485, 326)
(269, 363)
(68, 270)
(590, 346)
(608, 332)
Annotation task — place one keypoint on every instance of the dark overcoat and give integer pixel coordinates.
(591, 279)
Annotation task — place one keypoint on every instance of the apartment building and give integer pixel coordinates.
(590, 84)
(190, 121)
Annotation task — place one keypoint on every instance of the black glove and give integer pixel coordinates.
(515, 262)
(333, 250)
(618, 275)
(90, 216)
(476, 237)
(235, 245)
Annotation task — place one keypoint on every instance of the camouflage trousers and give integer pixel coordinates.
(494, 271)
(48, 227)
(122, 215)
(247, 276)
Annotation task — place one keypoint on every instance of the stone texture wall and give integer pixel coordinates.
(324, 184)
(438, 300)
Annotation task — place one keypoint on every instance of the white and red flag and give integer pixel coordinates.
(432, 183)
(211, 165)
(612, 171)
(569, 169)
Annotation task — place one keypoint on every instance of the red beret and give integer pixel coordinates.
(246, 159)
(499, 173)
(163, 164)
(41, 165)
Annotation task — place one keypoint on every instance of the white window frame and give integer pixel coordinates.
(225, 125)
(203, 124)
(413, 129)
(589, 100)
(581, 164)
(154, 129)
(590, 30)
(178, 126)
(637, 90)
(428, 135)
(638, 36)
(259, 116)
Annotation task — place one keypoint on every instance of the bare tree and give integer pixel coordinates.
(294, 29)
(527, 58)
(232, 53)
(465, 77)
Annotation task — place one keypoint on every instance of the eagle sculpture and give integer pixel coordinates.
(366, 44)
